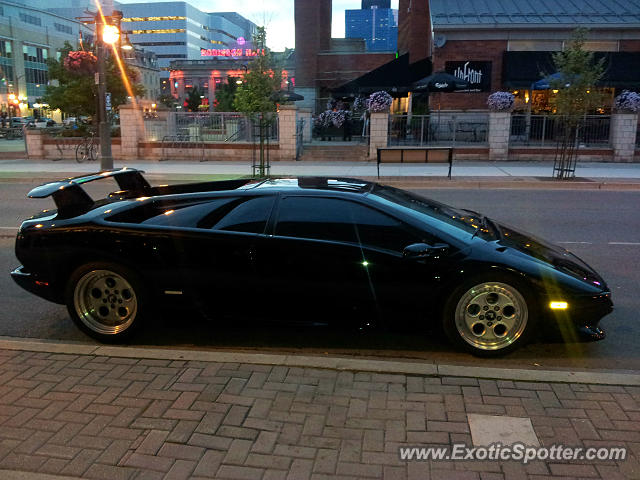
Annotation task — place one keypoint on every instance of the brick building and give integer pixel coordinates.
(495, 45)
(324, 63)
(508, 45)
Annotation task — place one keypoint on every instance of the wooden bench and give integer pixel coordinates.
(414, 155)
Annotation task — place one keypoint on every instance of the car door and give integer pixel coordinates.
(207, 251)
(403, 286)
(312, 265)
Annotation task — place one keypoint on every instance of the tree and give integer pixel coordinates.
(76, 93)
(226, 95)
(193, 100)
(253, 97)
(576, 81)
(167, 101)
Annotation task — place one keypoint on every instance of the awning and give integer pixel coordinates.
(522, 69)
(395, 76)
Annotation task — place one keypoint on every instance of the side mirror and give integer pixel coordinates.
(422, 250)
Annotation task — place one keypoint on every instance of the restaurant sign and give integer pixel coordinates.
(231, 52)
(478, 74)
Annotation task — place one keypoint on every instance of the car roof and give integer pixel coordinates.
(341, 184)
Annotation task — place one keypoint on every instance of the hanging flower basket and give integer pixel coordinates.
(379, 102)
(627, 102)
(501, 102)
(81, 63)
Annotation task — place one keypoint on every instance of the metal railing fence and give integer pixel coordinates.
(541, 130)
(439, 129)
(208, 127)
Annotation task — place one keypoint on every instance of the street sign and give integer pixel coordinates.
(107, 101)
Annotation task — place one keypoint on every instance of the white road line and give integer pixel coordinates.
(8, 228)
(624, 243)
(579, 243)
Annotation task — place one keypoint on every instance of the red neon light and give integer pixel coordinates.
(230, 52)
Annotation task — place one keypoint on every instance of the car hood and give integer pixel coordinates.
(557, 257)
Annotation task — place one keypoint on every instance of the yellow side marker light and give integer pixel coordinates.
(558, 305)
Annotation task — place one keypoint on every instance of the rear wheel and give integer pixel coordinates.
(106, 301)
(490, 316)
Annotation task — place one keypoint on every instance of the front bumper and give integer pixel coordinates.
(584, 313)
(32, 283)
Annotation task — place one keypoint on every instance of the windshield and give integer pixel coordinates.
(419, 207)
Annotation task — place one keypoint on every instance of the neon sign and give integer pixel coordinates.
(230, 52)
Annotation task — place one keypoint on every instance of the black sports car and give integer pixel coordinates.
(337, 248)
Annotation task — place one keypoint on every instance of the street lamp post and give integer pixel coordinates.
(104, 129)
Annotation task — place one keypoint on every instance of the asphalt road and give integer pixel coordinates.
(602, 227)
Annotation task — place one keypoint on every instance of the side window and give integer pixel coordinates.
(344, 221)
(379, 230)
(246, 215)
(316, 218)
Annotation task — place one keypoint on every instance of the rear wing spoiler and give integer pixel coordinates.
(69, 196)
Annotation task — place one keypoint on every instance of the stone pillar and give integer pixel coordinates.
(287, 131)
(499, 127)
(624, 127)
(307, 131)
(35, 143)
(131, 131)
(378, 133)
(310, 95)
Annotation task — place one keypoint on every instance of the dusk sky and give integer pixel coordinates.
(276, 15)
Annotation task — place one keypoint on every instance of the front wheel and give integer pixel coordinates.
(106, 301)
(82, 152)
(490, 317)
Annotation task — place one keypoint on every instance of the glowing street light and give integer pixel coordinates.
(110, 34)
(125, 43)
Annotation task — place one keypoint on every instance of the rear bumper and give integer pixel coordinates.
(33, 284)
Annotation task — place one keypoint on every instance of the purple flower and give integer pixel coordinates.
(379, 102)
(627, 101)
(500, 102)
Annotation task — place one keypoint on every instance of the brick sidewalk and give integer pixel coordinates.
(118, 418)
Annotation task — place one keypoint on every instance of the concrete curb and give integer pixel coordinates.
(330, 363)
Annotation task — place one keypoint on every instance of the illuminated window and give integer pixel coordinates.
(151, 19)
(161, 30)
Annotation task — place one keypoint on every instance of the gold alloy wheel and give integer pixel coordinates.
(105, 302)
(491, 316)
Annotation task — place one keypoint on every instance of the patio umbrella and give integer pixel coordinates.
(441, 82)
(286, 96)
(545, 83)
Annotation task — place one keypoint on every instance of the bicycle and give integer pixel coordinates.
(87, 149)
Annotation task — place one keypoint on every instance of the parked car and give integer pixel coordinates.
(338, 249)
(18, 122)
(69, 121)
(41, 122)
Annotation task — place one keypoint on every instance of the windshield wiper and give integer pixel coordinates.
(485, 223)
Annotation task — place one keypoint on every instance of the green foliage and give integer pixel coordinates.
(193, 99)
(579, 75)
(225, 95)
(253, 97)
(167, 101)
(77, 94)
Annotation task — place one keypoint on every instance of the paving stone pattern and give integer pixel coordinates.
(117, 418)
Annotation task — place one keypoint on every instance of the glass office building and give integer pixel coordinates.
(375, 23)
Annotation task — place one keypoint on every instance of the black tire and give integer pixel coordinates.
(93, 151)
(106, 301)
(81, 152)
(491, 315)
